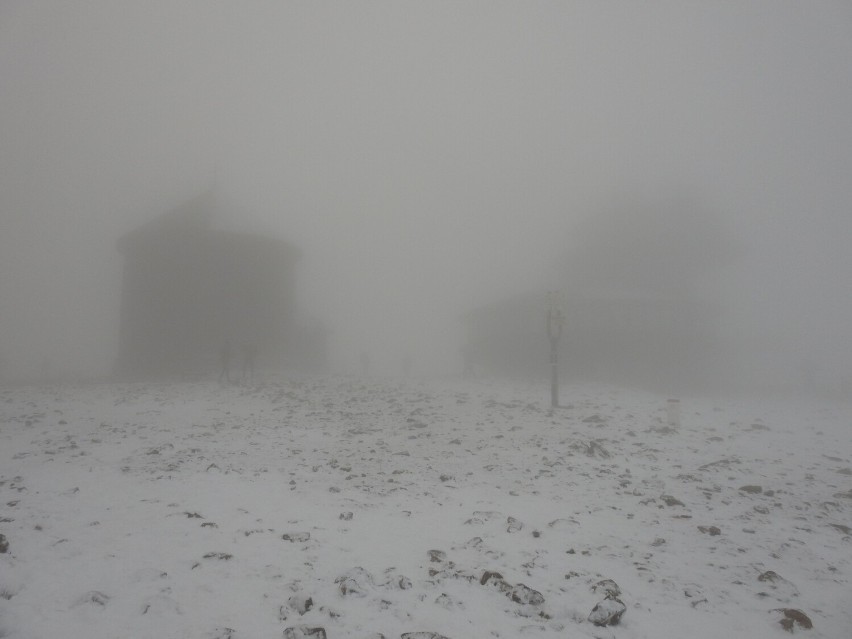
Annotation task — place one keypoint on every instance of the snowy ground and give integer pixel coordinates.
(192, 510)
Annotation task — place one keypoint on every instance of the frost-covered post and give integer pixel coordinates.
(555, 319)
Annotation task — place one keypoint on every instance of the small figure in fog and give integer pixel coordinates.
(365, 363)
(249, 354)
(225, 356)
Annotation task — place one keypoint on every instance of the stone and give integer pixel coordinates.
(300, 603)
(421, 635)
(4, 544)
(437, 556)
(296, 537)
(793, 618)
(710, 530)
(514, 525)
(607, 587)
(751, 490)
(94, 597)
(304, 632)
(607, 612)
(356, 582)
(670, 500)
(526, 596)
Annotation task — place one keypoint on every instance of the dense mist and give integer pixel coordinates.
(431, 159)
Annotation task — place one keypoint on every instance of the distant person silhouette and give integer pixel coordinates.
(225, 356)
(249, 352)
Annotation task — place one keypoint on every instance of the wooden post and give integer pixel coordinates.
(555, 320)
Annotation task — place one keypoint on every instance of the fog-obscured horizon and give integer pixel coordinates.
(431, 159)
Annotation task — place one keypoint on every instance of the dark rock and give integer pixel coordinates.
(356, 582)
(488, 576)
(300, 603)
(751, 490)
(526, 596)
(607, 612)
(437, 556)
(218, 555)
(514, 525)
(421, 635)
(296, 537)
(770, 576)
(347, 516)
(669, 500)
(4, 544)
(607, 587)
(94, 597)
(794, 617)
(304, 632)
(710, 530)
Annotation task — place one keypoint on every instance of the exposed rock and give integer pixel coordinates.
(710, 530)
(304, 632)
(347, 516)
(94, 597)
(770, 576)
(526, 596)
(447, 602)
(607, 612)
(218, 555)
(437, 556)
(296, 537)
(489, 576)
(223, 633)
(4, 544)
(421, 635)
(357, 582)
(300, 603)
(592, 449)
(793, 618)
(607, 587)
(670, 500)
(751, 490)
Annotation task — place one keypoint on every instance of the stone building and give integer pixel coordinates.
(189, 287)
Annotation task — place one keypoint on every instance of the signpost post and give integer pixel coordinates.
(555, 320)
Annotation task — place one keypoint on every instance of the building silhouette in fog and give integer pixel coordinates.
(188, 286)
(625, 337)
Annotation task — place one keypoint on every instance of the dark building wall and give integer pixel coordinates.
(187, 288)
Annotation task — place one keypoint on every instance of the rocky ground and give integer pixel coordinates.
(349, 508)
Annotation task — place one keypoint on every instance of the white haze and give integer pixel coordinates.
(428, 158)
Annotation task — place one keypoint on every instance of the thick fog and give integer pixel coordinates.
(429, 159)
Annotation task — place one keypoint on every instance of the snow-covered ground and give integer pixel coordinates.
(365, 507)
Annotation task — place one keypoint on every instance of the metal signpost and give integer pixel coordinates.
(555, 320)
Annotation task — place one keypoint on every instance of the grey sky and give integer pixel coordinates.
(426, 157)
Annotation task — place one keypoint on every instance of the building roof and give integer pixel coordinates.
(196, 218)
